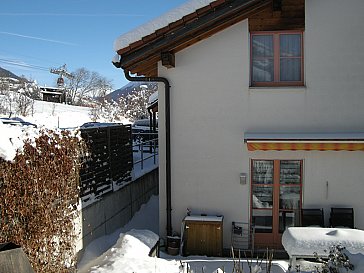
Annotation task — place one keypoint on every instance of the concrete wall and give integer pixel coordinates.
(13, 259)
(115, 209)
(212, 106)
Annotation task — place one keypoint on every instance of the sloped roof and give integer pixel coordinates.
(160, 22)
(141, 49)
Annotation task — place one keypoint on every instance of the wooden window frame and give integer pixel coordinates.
(273, 238)
(276, 60)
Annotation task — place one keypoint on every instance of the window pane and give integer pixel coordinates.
(289, 197)
(290, 45)
(262, 172)
(263, 70)
(290, 69)
(290, 172)
(262, 197)
(262, 46)
(262, 221)
(262, 58)
(287, 219)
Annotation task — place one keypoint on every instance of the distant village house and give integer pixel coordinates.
(53, 94)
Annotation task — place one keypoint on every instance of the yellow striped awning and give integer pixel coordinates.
(305, 141)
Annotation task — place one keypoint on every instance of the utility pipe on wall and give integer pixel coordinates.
(168, 138)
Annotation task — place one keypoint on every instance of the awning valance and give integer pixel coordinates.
(305, 141)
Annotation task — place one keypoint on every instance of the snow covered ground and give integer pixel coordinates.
(126, 250)
(57, 115)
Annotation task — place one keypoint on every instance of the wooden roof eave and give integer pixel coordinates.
(147, 67)
(201, 28)
(207, 33)
(153, 106)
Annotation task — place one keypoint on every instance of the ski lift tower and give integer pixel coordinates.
(62, 72)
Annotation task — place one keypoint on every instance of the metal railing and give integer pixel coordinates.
(145, 146)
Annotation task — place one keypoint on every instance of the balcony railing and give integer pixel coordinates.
(145, 149)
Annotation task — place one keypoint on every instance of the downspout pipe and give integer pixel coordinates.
(167, 88)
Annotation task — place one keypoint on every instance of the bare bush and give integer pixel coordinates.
(39, 193)
(24, 105)
(335, 261)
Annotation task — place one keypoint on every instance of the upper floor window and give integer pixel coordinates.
(276, 59)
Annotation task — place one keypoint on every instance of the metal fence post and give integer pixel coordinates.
(142, 156)
(154, 151)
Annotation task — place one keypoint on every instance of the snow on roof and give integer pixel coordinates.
(51, 92)
(153, 98)
(51, 88)
(160, 22)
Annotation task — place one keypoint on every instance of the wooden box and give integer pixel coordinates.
(203, 235)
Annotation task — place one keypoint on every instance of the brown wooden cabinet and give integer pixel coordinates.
(203, 235)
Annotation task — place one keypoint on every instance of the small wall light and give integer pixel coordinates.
(242, 178)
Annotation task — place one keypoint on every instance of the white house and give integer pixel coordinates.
(264, 114)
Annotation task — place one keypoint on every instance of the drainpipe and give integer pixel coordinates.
(168, 139)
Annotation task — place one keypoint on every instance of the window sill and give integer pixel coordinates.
(278, 88)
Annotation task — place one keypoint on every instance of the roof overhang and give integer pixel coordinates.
(153, 106)
(142, 56)
(51, 92)
(304, 141)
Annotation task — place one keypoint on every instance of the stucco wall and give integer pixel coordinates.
(212, 106)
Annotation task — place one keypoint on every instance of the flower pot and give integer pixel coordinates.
(173, 251)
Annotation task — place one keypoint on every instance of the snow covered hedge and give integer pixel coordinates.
(39, 192)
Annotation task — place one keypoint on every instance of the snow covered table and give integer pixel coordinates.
(304, 241)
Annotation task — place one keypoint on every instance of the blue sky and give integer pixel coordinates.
(41, 34)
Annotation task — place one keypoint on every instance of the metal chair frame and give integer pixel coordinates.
(312, 217)
(342, 217)
(242, 236)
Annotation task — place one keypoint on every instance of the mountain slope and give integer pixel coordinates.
(129, 88)
(7, 74)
